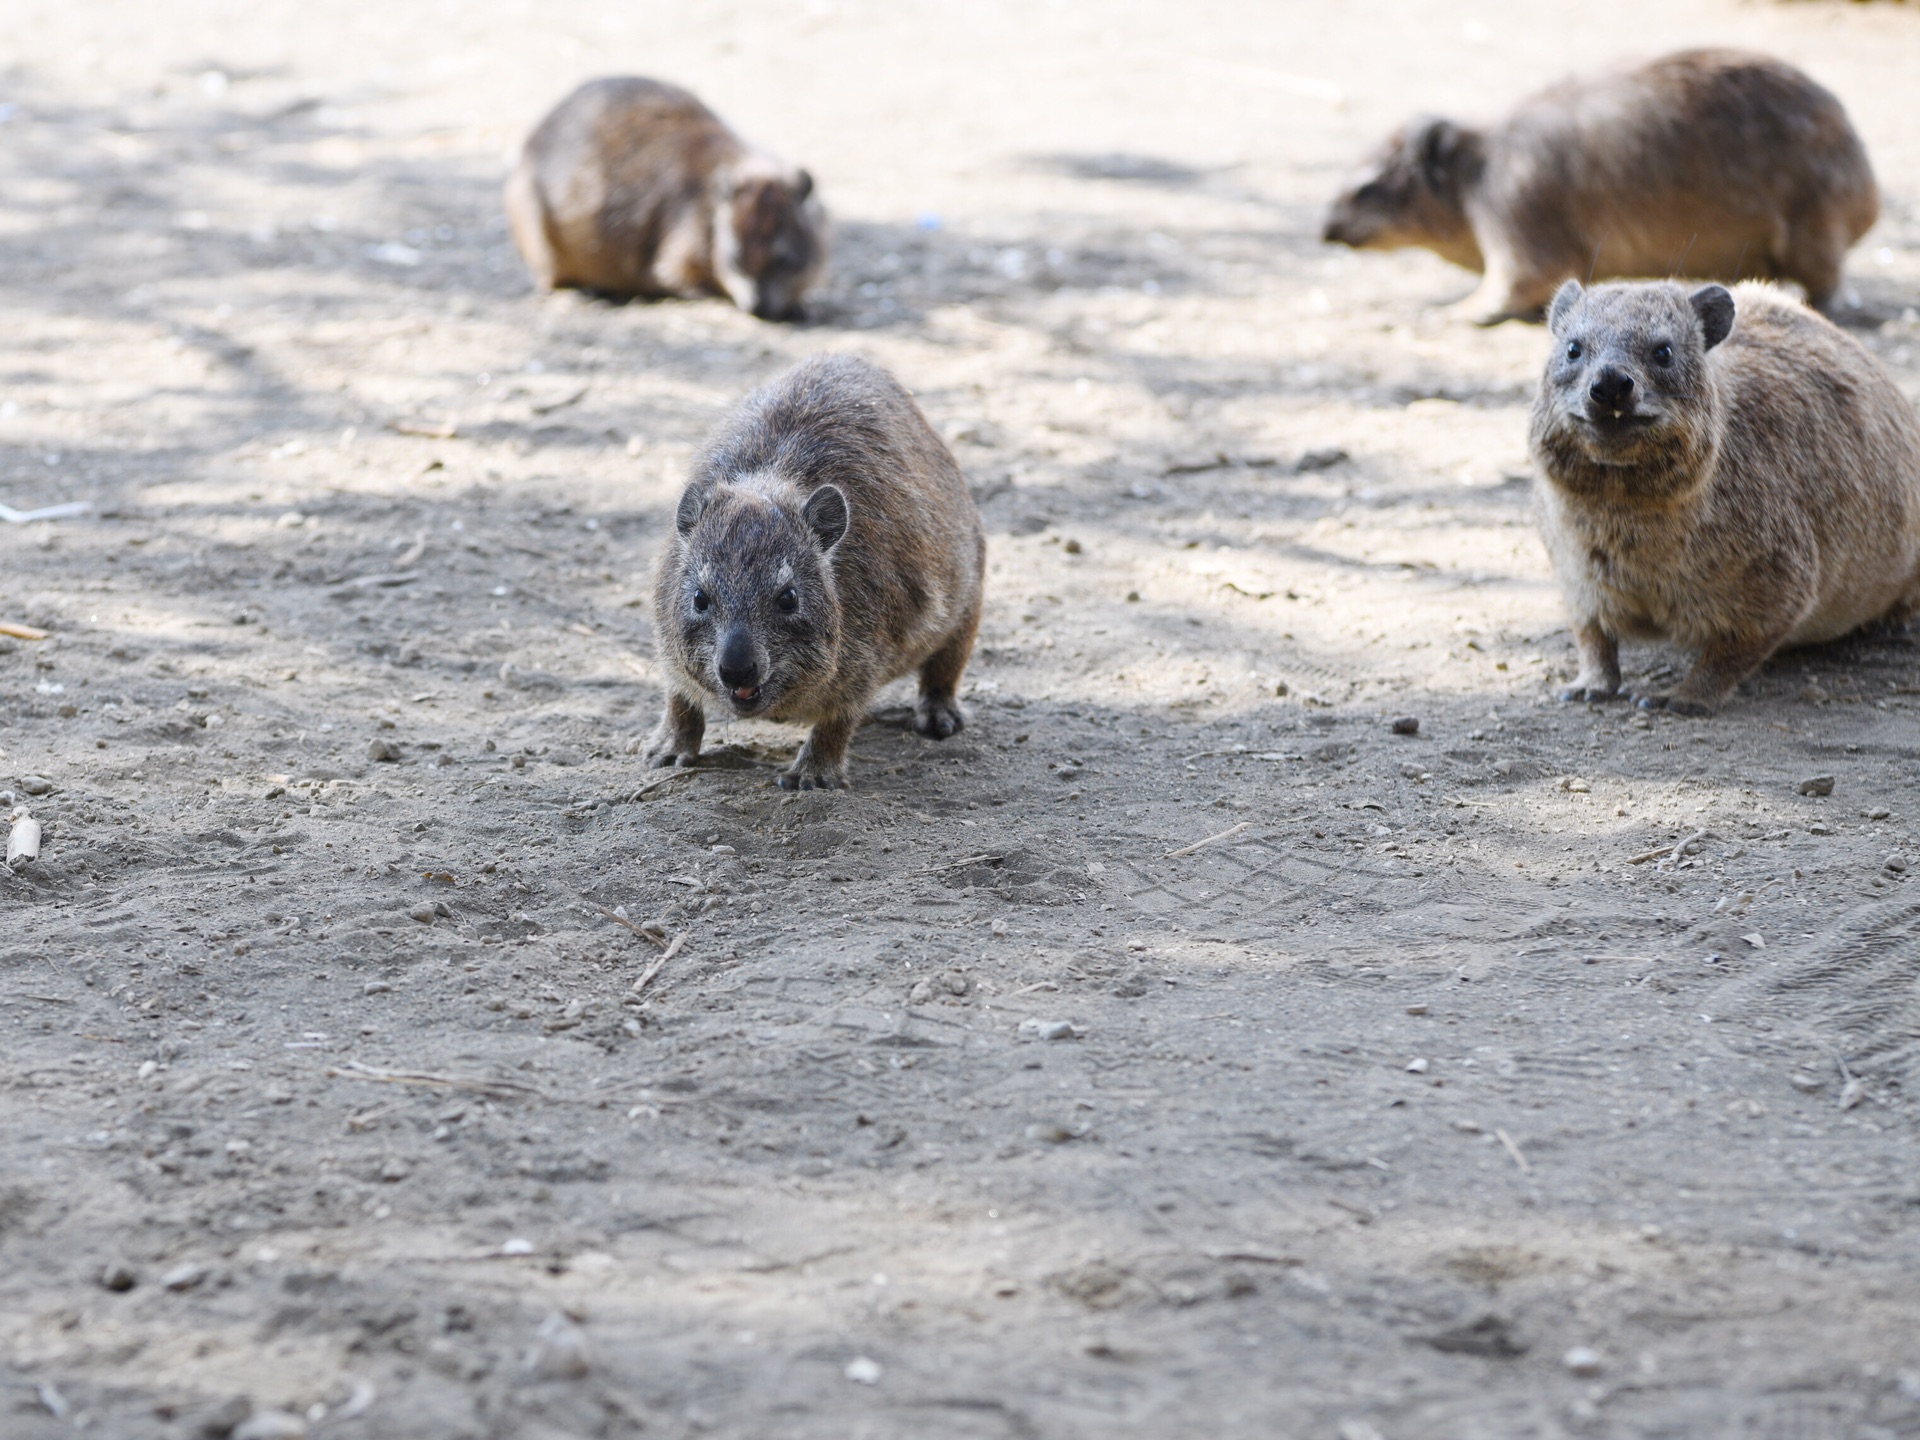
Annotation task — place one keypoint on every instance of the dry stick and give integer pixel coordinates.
(623, 920)
(647, 789)
(497, 1089)
(1514, 1150)
(1672, 852)
(982, 859)
(1211, 839)
(21, 632)
(1029, 989)
(659, 964)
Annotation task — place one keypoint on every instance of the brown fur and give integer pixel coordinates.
(1709, 163)
(825, 545)
(632, 187)
(1735, 496)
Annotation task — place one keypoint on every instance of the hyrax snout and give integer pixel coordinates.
(1710, 163)
(632, 187)
(825, 545)
(1724, 469)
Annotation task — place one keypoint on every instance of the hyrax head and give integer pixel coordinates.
(758, 616)
(1627, 383)
(1410, 192)
(769, 239)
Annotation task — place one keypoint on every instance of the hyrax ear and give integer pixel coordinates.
(1564, 299)
(692, 505)
(1714, 305)
(802, 185)
(826, 515)
(1437, 146)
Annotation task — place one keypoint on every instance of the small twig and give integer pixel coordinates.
(1211, 839)
(679, 772)
(498, 1089)
(1029, 989)
(549, 406)
(1255, 1257)
(1513, 1150)
(641, 931)
(981, 859)
(426, 429)
(365, 1118)
(1692, 842)
(21, 632)
(659, 963)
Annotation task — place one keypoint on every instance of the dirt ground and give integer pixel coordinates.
(331, 1103)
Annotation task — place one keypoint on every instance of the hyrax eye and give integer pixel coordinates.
(1575, 350)
(1663, 354)
(787, 600)
(701, 601)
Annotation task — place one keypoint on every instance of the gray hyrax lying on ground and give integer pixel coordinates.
(632, 187)
(1710, 163)
(826, 544)
(1726, 470)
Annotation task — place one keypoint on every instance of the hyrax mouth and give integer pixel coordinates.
(746, 697)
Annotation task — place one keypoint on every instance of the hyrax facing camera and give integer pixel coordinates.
(1727, 470)
(632, 187)
(1710, 163)
(825, 545)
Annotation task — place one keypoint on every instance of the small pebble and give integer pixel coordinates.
(1050, 1133)
(184, 1276)
(516, 1246)
(375, 987)
(1582, 1361)
(423, 913)
(921, 993)
(1072, 547)
(382, 750)
(118, 1277)
(1817, 785)
(1050, 1029)
(35, 784)
(1406, 725)
(863, 1371)
(270, 1425)
(1879, 812)
(560, 1350)
(1418, 1067)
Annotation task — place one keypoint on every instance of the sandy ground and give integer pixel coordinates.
(326, 1091)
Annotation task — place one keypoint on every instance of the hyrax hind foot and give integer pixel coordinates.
(938, 717)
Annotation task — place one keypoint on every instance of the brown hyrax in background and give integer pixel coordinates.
(632, 187)
(1708, 163)
(1727, 470)
(826, 544)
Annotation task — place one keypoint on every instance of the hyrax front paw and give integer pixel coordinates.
(1584, 688)
(666, 746)
(1675, 703)
(806, 775)
(938, 718)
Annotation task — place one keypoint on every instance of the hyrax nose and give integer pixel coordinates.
(739, 666)
(1612, 389)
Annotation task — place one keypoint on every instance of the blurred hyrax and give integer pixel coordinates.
(1727, 470)
(632, 187)
(1709, 163)
(825, 545)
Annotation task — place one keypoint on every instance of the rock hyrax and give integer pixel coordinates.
(825, 545)
(1727, 470)
(1709, 163)
(632, 187)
